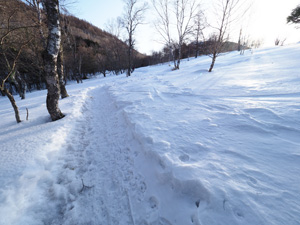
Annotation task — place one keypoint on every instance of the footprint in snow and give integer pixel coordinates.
(239, 214)
(153, 202)
(143, 187)
(252, 181)
(184, 158)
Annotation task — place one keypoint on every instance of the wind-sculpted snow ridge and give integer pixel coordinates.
(227, 143)
(162, 147)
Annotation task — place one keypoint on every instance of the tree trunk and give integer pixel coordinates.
(129, 58)
(79, 77)
(14, 105)
(212, 62)
(129, 64)
(40, 22)
(60, 71)
(21, 85)
(197, 47)
(239, 42)
(50, 58)
(171, 55)
(179, 56)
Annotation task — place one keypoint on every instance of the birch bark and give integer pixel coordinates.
(50, 58)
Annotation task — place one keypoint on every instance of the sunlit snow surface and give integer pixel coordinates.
(161, 147)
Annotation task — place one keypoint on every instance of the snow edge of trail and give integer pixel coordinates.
(36, 196)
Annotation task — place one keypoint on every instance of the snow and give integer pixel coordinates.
(161, 147)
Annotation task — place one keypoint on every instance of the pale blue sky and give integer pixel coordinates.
(97, 11)
(267, 22)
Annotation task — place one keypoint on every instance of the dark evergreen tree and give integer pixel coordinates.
(295, 16)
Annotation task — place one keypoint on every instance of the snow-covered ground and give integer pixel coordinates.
(161, 147)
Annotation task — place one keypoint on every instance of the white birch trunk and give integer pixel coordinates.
(50, 58)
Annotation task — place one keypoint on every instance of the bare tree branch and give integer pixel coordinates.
(229, 11)
(183, 12)
(133, 17)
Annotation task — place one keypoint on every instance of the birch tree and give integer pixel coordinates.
(12, 42)
(199, 26)
(50, 58)
(131, 19)
(11, 70)
(36, 5)
(163, 24)
(175, 16)
(185, 12)
(228, 12)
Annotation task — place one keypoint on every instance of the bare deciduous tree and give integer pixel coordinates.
(36, 5)
(256, 43)
(11, 66)
(12, 42)
(228, 11)
(162, 25)
(116, 48)
(131, 19)
(199, 26)
(50, 58)
(184, 12)
(114, 27)
(279, 41)
(240, 40)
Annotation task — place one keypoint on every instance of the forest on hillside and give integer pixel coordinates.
(87, 50)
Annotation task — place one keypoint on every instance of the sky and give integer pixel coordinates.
(266, 21)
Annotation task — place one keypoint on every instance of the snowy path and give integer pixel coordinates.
(104, 152)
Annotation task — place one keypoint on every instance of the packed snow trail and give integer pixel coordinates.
(99, 156)
(100, 166)
(110, 177)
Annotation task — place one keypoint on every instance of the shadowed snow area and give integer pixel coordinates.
(161, 147)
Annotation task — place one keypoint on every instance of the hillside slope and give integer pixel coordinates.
(87, 49)
(161, 147)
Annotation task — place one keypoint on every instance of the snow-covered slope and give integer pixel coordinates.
(161, 147)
